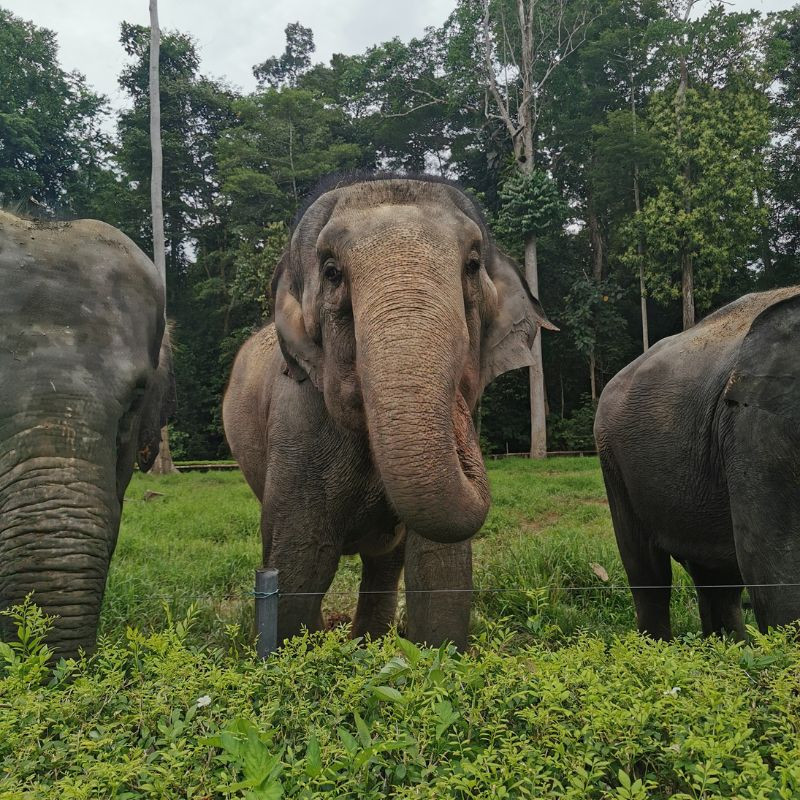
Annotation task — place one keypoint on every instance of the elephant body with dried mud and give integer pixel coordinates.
(351, 416)
(699, 440)
(85, 386)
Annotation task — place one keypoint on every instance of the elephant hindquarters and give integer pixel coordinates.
(762, 464)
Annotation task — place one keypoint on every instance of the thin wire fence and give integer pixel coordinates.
(477, 590)
(267, 594)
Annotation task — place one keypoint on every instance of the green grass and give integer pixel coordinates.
(198, 541)
(556, 698)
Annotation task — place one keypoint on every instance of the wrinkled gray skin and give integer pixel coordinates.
(85, 385)
(351, 415)
(699, 440)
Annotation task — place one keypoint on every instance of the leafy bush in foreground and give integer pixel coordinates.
(627, 718)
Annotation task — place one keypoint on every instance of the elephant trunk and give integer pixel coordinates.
(59, 519)
(411, 344)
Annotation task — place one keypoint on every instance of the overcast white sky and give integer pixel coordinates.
(232, 35)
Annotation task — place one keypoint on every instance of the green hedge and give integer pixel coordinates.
(625, 718)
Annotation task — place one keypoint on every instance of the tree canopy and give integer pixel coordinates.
(663, 139)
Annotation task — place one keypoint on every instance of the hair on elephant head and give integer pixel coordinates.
(85, 386)
(394, 301)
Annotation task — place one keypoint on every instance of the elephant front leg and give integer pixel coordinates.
(434, 614)
(306, 559)
(304, 575)
(377, 598)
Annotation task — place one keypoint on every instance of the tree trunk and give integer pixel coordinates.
(536, 372)
(643, 300)
(766, 253)
(545, 42)
(596, 236)
(156, 204)
(640, 254)
(639, 243)
(687, 264)
(688, 289)
(163, 463)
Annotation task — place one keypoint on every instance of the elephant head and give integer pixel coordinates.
(393, 300)
(85, 385)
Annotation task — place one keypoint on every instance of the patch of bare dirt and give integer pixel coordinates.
(540, 523)
(336, 619)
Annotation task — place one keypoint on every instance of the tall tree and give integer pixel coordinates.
(622, 177)
(781, 259)
(683, 10)
(712, 125)
(157, 158)
(521, 51)
(286, 69)
(163, 464)
(619, 62)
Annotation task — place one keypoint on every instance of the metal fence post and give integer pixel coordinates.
(266, 595)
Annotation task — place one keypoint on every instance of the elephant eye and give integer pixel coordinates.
(473, 263)
(332, 272)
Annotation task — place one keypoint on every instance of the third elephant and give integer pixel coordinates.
(699, 440)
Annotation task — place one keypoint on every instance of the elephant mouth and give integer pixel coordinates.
(467, 445)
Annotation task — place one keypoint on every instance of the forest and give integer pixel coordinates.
(649, 150)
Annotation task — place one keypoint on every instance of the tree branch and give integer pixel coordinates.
(490, 76)
(411, 110)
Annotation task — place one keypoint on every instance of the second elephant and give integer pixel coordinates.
(351, 416)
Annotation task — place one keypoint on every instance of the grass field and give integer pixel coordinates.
(197, 541)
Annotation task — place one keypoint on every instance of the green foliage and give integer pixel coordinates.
(194, 112)
(575, 432)
(717, 174)
(151, 716)
(557, 698)
(197, 543)
(24, 659)
(592, 314)
(531, 204)
(708, 206)
(49, 120)
(783, 238)
(624, 146)
(285, 70)
(254, 268)
(244, 746)
(284, 142)
(505, 414)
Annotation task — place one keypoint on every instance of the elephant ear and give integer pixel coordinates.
(511, 331)
(158, 407)
(767, 371)
(302, 354)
